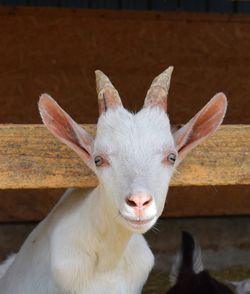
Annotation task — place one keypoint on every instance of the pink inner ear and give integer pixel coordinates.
(203, 124)
(56, 120)
(209, 118)
(62, 126)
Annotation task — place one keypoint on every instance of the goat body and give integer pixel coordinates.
(97, 256)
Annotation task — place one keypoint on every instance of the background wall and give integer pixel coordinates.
(57, 51)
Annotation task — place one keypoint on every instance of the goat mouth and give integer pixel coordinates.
(139, 222)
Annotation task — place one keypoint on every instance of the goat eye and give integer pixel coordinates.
(99, 160)
(171, 158)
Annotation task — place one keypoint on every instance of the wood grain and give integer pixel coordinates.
(30, 157)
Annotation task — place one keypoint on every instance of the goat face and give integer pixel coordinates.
(137, 153)
(133, 155)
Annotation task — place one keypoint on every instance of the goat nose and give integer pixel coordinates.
(139, 200)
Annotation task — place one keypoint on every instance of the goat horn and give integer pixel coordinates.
(108, 96)
(158, 92)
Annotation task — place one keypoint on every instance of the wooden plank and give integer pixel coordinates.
(207, 201)
(30, 157)
(12, 237)
(27, 205)
(33, 205)
(39, 161)
(224, 159)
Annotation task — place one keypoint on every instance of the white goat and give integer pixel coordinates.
(93, 243)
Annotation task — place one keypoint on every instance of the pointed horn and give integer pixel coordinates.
(158, 92)
(108, 96)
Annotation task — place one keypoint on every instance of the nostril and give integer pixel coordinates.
(131, 202)
(139, 200)
(147, 202)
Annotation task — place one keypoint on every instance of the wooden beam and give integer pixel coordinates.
(33, 205)
(30, 157)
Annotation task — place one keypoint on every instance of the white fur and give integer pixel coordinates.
(6, 264)
(240, 287)
(86, 244)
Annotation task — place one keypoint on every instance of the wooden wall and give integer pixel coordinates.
(57, 51)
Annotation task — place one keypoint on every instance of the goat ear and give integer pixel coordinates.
(202, 125)
(108, 96)
(157, 94)
(63, 127)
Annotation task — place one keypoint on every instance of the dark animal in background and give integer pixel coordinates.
(188, 275)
